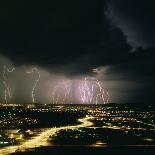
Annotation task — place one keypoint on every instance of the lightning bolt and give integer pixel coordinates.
(92, 90)
(7, 91)
(34, 70)
(61, 92)
(86, 91)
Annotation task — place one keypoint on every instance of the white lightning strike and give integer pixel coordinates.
(61, 92)
(86, 92)
(7, 91)
(34, 70)
(93, 91)
(90, 89)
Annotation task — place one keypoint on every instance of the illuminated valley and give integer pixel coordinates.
(27, 127)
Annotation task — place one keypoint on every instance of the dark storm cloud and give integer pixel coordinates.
(67, 39)
(136, 19)
(50, 32)
(135, 76)
(81, 34)
(60, 33)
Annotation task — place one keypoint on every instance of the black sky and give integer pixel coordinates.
(73, 37)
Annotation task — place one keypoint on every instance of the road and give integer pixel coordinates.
(42, 138)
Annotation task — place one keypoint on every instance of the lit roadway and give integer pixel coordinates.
(42, 138)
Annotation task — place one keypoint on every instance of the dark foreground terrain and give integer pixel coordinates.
(83, 150)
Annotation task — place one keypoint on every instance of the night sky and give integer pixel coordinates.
(66, 39)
